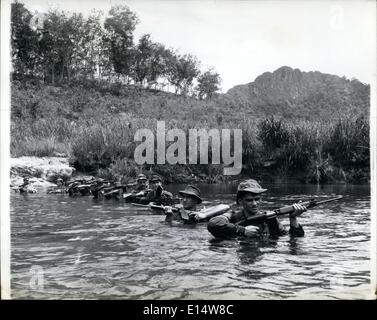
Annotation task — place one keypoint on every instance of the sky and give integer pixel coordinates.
(243, 39)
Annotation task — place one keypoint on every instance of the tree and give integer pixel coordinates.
(208, 84)
(158, 67)
(93, 58)
(24, 42)
(182, 71)
(143, 59)
(60, 45)
(119, 38)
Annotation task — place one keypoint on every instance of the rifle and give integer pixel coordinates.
(261, 218)
(210, 212)
(161, 208)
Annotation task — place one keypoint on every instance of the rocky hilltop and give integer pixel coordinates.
(291, 93)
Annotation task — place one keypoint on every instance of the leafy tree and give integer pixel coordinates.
(60, 45)
(119, 38)
(150, 63)
(158, 67)
(143, 59)
(181, 71)
(24, 42)
(208, 84)
(92, 57)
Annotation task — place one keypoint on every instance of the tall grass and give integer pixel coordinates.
(41, 138)
(348, 142)
(323, 151)
(97, 132)
(99, 144)
(39, 147)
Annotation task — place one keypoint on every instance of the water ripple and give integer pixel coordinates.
(87, 249)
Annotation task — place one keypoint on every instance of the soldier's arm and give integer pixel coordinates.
(296, 229)
(276, 228)
(222, 227)
(172, 214)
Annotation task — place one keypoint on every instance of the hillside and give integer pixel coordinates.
(287, 93)
(291, 93)
(94, 124)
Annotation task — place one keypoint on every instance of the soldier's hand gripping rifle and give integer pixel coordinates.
(260, 218)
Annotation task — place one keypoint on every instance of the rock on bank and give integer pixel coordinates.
(41, 171)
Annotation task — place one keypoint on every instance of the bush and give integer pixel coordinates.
(273, 133)
(121, 170)
(97, 145)
(251, 146)
(348, 143)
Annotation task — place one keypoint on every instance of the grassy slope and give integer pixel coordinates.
(95, 122)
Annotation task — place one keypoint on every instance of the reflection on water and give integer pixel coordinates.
(64, 248)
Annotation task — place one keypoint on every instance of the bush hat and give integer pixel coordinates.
(192, 191)
(249, 186)
(141, 176)
(155, 177)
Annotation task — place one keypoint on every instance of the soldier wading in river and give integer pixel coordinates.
(249, 194)
(190, 210)
(191, 198)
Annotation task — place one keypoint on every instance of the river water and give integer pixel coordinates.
(81, 248)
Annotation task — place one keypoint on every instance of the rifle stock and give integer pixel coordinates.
(260, 218)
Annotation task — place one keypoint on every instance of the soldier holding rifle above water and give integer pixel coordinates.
(249, 194)
(190, 211)
(191, 198)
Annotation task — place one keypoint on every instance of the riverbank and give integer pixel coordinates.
(42, 171)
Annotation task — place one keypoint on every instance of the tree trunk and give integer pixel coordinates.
(62, 71)
(69, 74)
(53, 73)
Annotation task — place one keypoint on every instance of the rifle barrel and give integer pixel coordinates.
(283, 211)
(329, 200)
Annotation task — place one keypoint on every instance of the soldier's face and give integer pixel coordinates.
(142, 182)
(250, 203)
(155, 184)
(188, 202)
